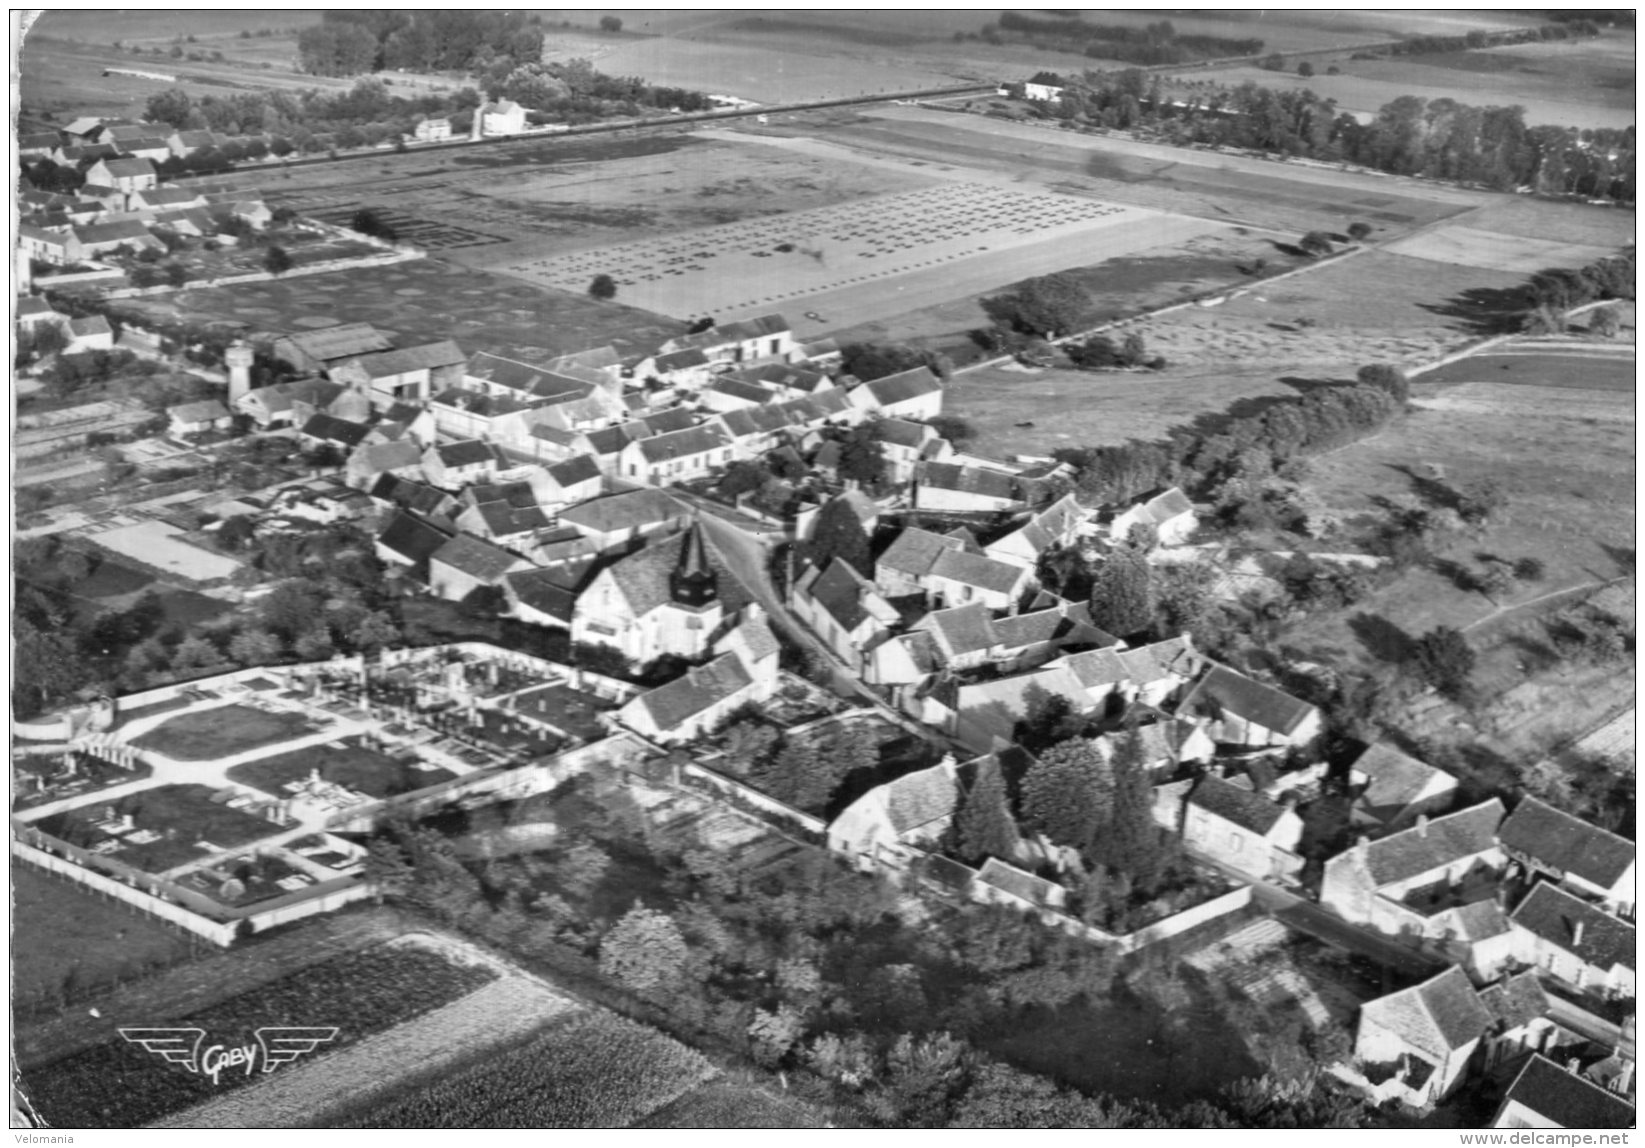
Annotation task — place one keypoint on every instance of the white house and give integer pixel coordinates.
(890, 825)
(1243, 829)
(1589, 861)
(1245, 712)
(1169, 513)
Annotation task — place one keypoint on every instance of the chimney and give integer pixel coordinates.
(1361, 847)
(1577, 930)
(1422, 825)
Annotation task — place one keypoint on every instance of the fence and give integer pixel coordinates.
(768, 809)
(218, 932)
(264, 276)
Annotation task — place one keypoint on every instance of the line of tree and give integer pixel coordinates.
(1249, 447)
(350, 41)
(1436, 139)
(1154, 44)
(1425, 45)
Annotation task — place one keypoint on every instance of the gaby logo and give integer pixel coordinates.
(274, 1047)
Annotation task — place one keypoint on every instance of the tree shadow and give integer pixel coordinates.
(1433, 491)
(1290, 249)
(1382, 638)
(1485, 310)
(1623, 556)
(1298, 383)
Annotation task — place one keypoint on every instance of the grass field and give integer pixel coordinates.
(425, 300)
(1470, 247)
(222, 731)
(348, 764)
(58, 927)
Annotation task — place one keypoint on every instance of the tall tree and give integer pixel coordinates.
(1068, 794)
(1132, 841)
(1122, 594)
(838, 533)
(644, 951)
(984, 822)
(862, 457)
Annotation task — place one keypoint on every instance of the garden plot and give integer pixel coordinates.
(1467, 247)
(161, 546)
(863, 251)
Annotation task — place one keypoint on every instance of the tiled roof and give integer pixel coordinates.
(976, 480)
(333, 429)
(610, 440)
(747, 392)
(977, 570)
(1438, 1017)
(1443, 841)
(525, 377)
(467, 452)
(1164, 507)
(900, 432)
(1034, 890)
(784, 375)
(839, 590)
(29, 306)
(413, 537)
(91, 325)
(544, 590)
(594, 359)
(1097, 668)
(1396, 779)
(998, 703)
(475, 557)
(382, 364)
(1244, 808)
(1566, 844)
(1558, 917)
(643, 576)
(478, 403)
(580, 468)
(403, 492)
(1566, 1100)
(340, 342)
(168, 196)
(1516, 1001)
(1030, 629)
(202, 411)
(700, 687)
(683, 443)
(1478, 920)
(758, 637)
(681, 360)
(635, 508)
(503, 520)
(903, 386)
(1249, 699)
(128, 168)
(915, 551)
(389, 455)
(962, 630)
(673, 419)
(122, 230)
(917, 799)
(756, 328)
(753, 420)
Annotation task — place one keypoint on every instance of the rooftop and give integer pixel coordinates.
(1567, 844)
(1566, 1100)
(1243, 807)
(1587, 931)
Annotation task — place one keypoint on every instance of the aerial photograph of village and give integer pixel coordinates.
(823, 568)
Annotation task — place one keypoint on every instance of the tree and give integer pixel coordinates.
(1131, 840)
(870, 361)
(603, 287)
(1529, 569)
(376, 630)
(1388, 377)
(195, 653)
(644, 951)
(1315, 243)
(370, 221)
(611, 24)
(1359, 231)
(747, 745)
(176, 274)
(1443, 658)
(838, 533)
(1604, 323)
(583, 867)
(1122, 594)
(1068, 793)
(1049, 305)
(315, 645)
(45, 663)
(862, 456)
(291, 607)
(254, 647)
(772, 1034)
(1305, 69)
(953, 428)
(743, 476)
(237, 532)
(985, 826)
(277, 261)
(172, 106)
(1494, 581)
(800, 776)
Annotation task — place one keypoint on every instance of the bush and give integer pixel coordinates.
(603, 287)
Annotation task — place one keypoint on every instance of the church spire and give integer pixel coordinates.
(693, 582)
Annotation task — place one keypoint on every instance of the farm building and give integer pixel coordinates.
(467, 563)
(405, 375)
(314, 351)
(610, 521)
(124, 175)
(97, 238)
(195, 418)
(1245, 712)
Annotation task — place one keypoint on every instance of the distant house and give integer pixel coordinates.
(91, 333)
(1575, 942)
(575, 480)
(729, 394)
(952, 486)
(787, 380)
(454, 465)
(407, 541)
(1544, 1095)
(503, 118)
(905, 445)
(999, 883)
(409, 374)
(695, 702)
(1043, 88)
(887, 827)
(678, 456)
(59, 248)
(1415, 884)
(467, 563)
(1589, 861)
(1243, 829)
(1393, 787)
(615, 519)
(391, 491)
(689, 368)
(1056, 525)
(125, 175)
(431, 128)
(184, 144)
(1246, 713)
(166, 199)
(196, 418)
(1416, 1044)
(501, 519)
(35, 145)
(1169, 513)
(915, 394)
(844, 609)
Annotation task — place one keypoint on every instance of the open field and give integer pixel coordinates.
(222, 731)
(1322, 324)
(424, 300)
(1565, 459)
(1289, 197)
(1468, 247)
(61, 929)
(1574, 223)
(1602, 368)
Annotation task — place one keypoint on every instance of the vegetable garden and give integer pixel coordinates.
(121, 1085)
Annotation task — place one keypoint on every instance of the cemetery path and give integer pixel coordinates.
(213, 977)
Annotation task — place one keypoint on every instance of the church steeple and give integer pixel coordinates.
(693, 582)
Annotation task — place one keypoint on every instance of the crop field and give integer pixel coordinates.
(592, 1070)
(1292, 198)
(424, 300)
(122, 1085)
(223, 731)
(354, 1079)
(71, 931)
(723, 1104)
(1468, 247)
(1578, 224)
(348, 764)
(1264, 340)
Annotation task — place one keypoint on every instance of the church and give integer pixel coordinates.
(672, 597)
